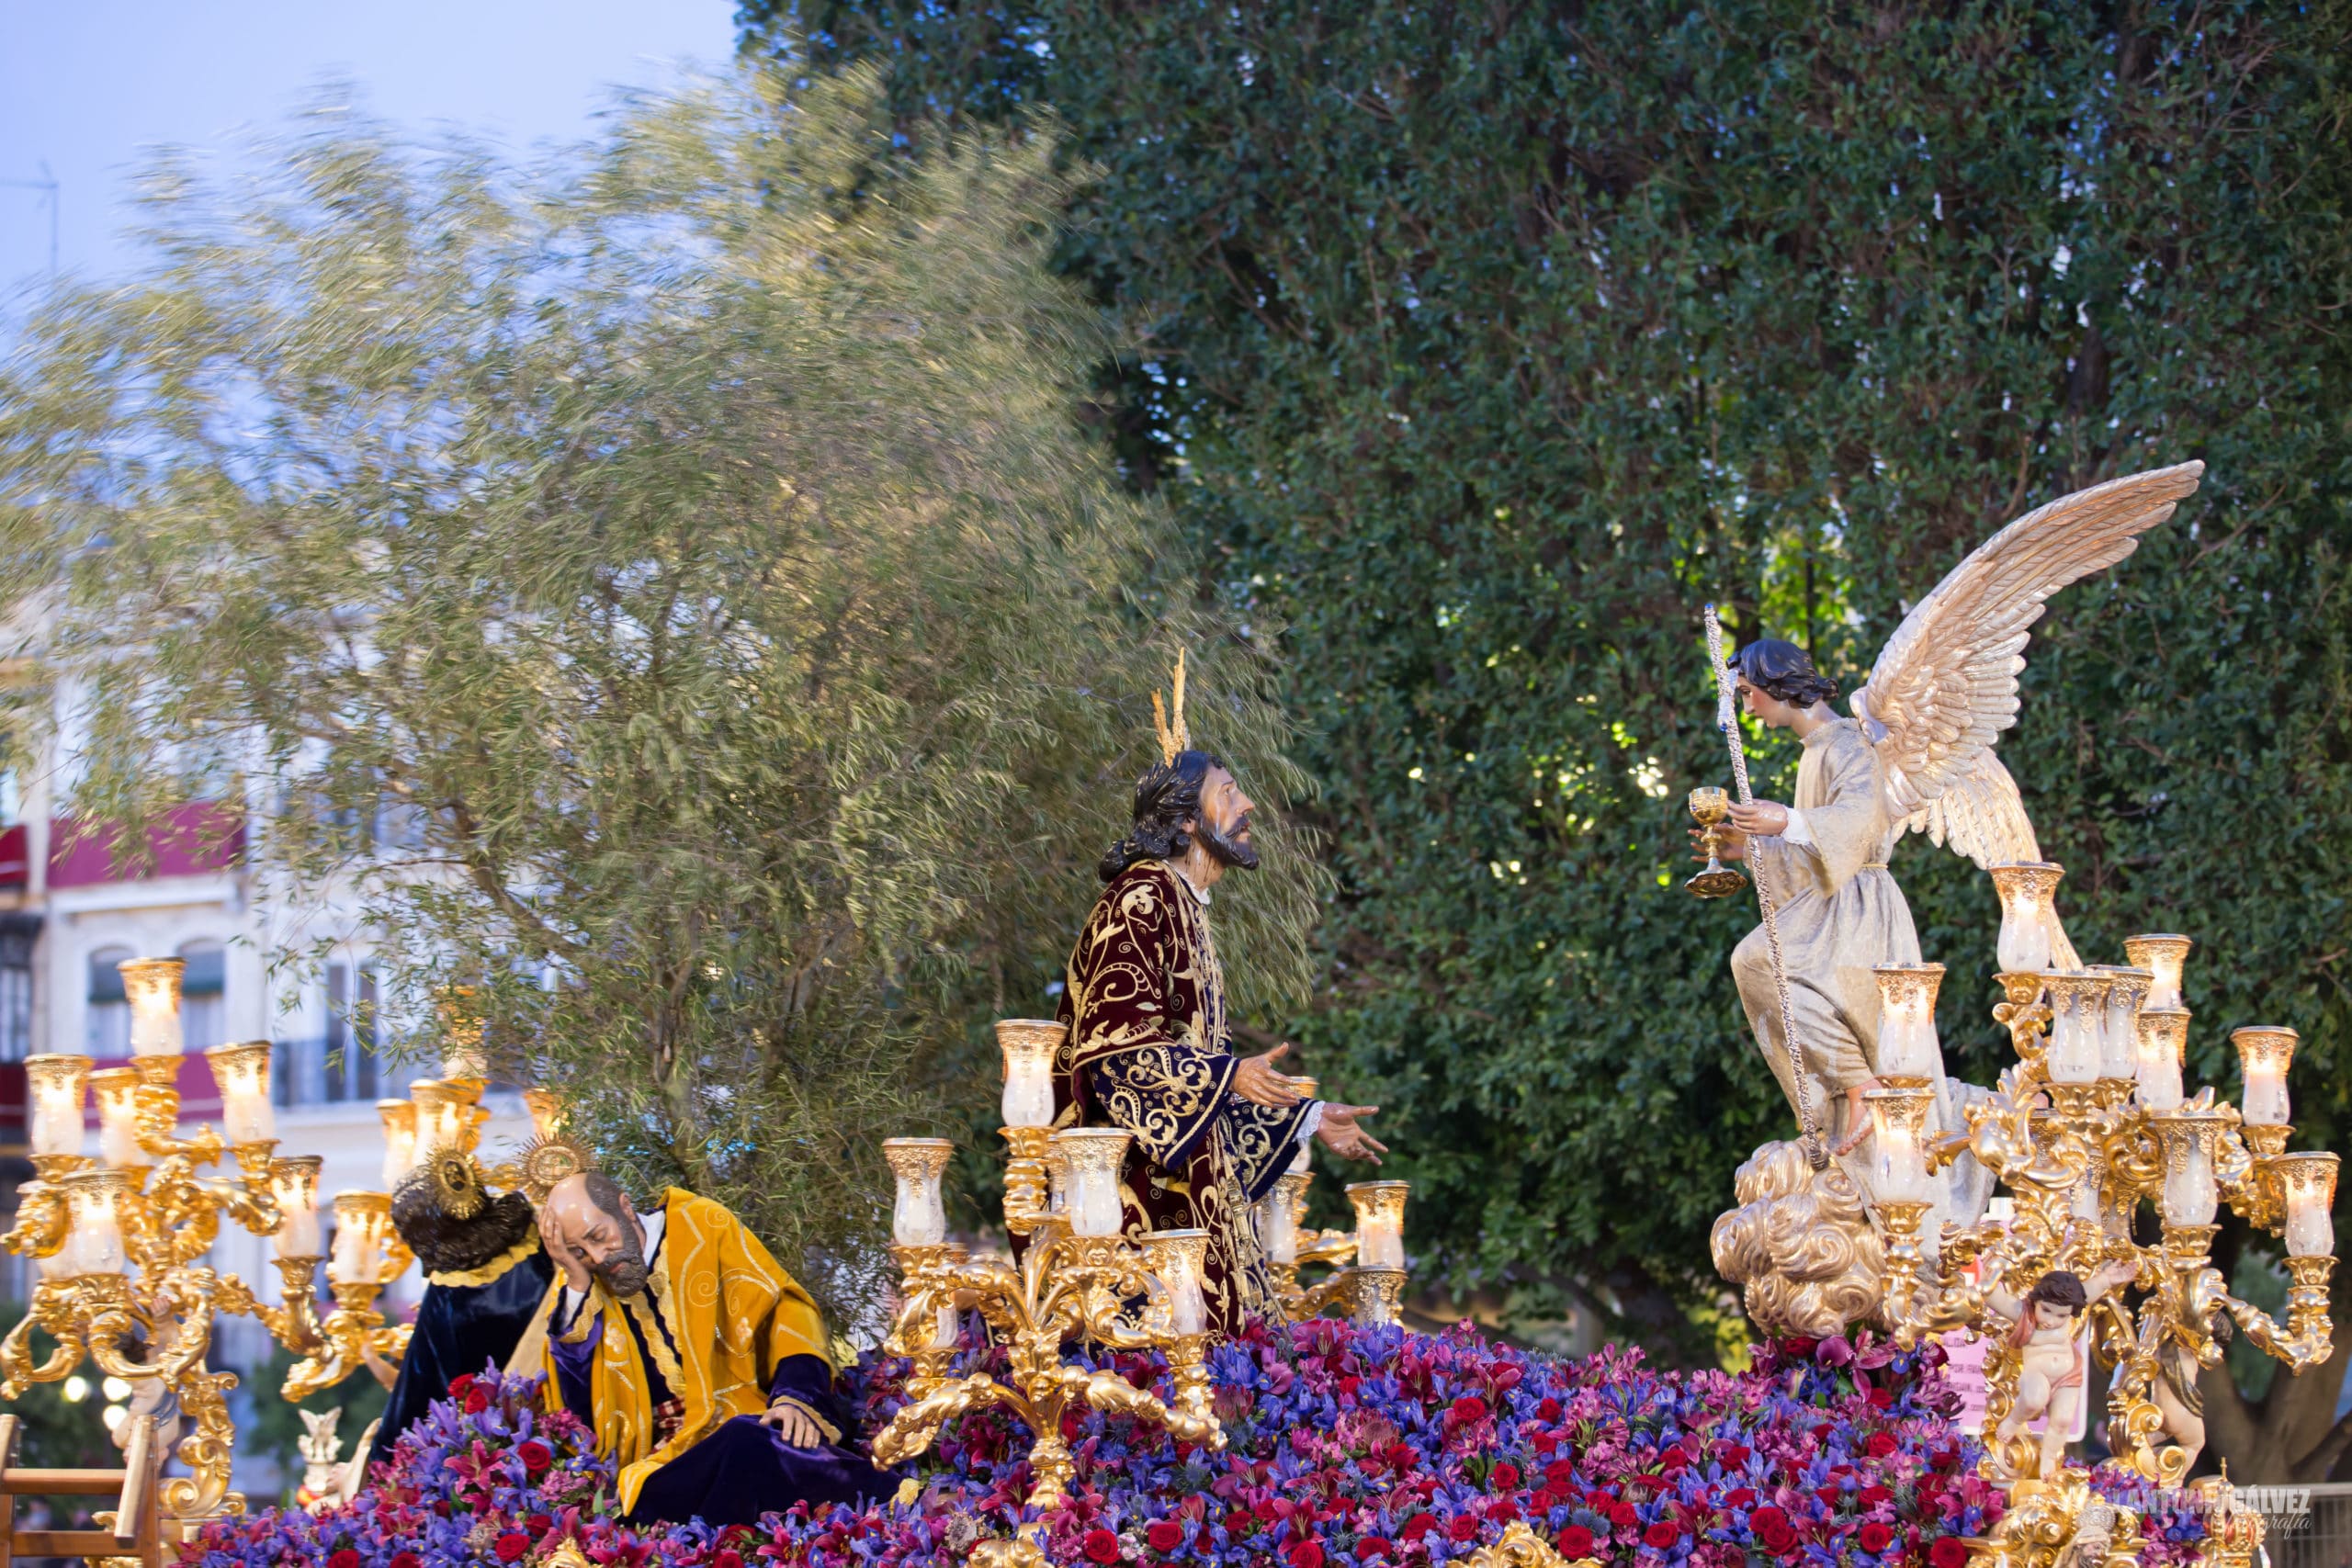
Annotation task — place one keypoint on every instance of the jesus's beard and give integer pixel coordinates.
(1233, 849)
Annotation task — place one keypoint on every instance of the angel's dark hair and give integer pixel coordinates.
(1166, 797)
(447, 1245)
(1783, 670)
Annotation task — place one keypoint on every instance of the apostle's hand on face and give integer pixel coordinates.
(565, 1256)
(1337, 1132)
(793, 1424)
(1257, 1082)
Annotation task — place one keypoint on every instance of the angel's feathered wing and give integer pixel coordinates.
(1946, 684)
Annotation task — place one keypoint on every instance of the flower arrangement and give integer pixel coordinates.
(1346, 1446)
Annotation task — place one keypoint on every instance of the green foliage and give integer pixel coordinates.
(672, 595)
(1486, 343)
(275, 1431)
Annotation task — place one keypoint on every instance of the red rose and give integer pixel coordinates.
(1663, 1534)
(1240, 1522)
(1370, 1547)
(536, 1456)
(1882, 1444)
(462, 1385)
(1739, 1497)
(1469, 1408)
(1947, 1552)
(1574, 1542)
(476, 1402)
(1798, 1347)
(1305, 1554)
(1875, 1537)
(1464, 1528)
(1873, 1496)
(1733, 1456)
(1102, 1546)
(1504, 1478)
(1780, 1540)
(1502, 1508)
(538, 1524)
(509, 1547)
(726, 1557)
(411, 1560)
(1622, 1514)
(1946, 1459)
(346, 1557)
(1881, 1398)
(1418, 1526)
(1560, 1473)
(1548, 1409)
(1165, 1535)
(1767, 1517)
(1673, 1459)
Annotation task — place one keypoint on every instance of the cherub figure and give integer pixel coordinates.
(2050, 1374)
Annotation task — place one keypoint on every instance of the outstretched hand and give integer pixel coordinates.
(1337, 1132)
(1257, 1081)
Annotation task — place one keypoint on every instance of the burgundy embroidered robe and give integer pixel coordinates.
(1148, 1050)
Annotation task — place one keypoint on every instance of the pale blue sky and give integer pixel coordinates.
(89, 85)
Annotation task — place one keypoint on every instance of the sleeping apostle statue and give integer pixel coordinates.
(700, 1364)
(485, 1276)
(1148, 1047)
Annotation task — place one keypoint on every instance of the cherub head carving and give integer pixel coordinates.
(1799, 1246)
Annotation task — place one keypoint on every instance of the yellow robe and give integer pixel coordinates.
(734, 1312)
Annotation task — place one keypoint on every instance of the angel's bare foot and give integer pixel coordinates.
(1858, 1125)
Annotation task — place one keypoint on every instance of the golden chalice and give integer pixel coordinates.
(1711, 808)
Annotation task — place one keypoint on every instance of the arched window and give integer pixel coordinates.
(108, 1035)
(204, 995)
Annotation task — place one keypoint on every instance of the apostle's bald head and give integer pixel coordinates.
(590, 1216)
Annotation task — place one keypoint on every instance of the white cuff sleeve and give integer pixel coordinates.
(1796, 832)
(1306, 1129)
(567, 1311)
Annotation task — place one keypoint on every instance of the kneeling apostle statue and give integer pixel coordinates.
(1148, 1046)
(700, 1364)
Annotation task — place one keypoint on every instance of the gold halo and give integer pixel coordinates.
(456, 1183)
(546, 1161)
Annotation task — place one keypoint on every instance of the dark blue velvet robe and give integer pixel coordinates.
(462, 1328)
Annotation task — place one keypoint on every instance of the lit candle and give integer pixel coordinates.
(1179, 1259)
(2265, 1054)
(117, 1090)
(358, 1256)
(1028, 1044)
(919, 1218)
(2118, 1038)
(94, 1223)
(444, 1113)
(2164, 1042)
(2163, 955)
(55, 1085)
(294, 1186)
(2074, 1052)
(2027, 890)
(547, 1112)
(399, 1140)
(243, 1073)
(152, 986)
(1907, 1048)
(1899, 1172)
(1095, 1155)
(2190, 1194)
(1278, 1217)
(2309, 1182)
(1380, 1222)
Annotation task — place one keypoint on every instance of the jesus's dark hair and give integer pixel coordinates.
(1166, 798)
(1783, 670)
(447, 1245)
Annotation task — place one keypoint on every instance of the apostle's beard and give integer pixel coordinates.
(1232, 848)
(623, 1271)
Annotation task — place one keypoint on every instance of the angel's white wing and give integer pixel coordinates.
(1946, 684)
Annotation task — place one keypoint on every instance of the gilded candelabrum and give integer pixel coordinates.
(1077, 1278)
(1367, 1276)
(2088, 1123)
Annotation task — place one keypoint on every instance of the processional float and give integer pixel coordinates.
(117, 1239)
(2110, 1167)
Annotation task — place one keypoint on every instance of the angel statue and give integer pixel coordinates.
(1917, 754)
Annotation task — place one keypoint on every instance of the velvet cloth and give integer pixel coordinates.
(462, 1328)
(1148, 1050)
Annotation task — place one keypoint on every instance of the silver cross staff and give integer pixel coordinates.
(1728, 720)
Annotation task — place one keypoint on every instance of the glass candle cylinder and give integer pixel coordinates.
(2029, 890)
(294, 1186)
(2309, 1182)
(399, 1140)
(94, 1223)
(54, 1084)
(918, 1217)
(2072, 1056)
(2118, 1040)
(461, 1054)
(2162, 954)
(1179, 1260)
(2190, 1194)
(1907, 1048)
(1094, 1155)
(444, 1113)
(1278, 1217)
(2164, 1044)
(152, 986)
(1028, 1044)
(1898, 1168)
(547, 1112)
(1380, 1222)
(1303, 1161)
(243, 1073)
(359, 1221)
(115, 1089)
(2264, 1052)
